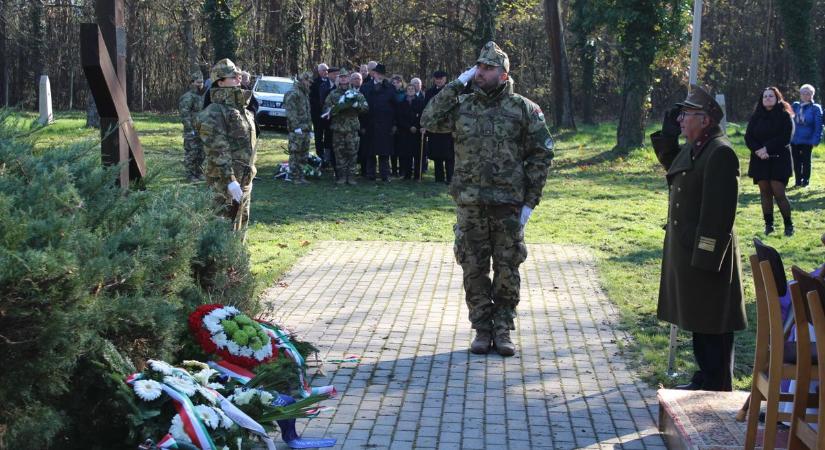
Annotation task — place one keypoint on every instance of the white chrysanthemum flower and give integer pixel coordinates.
(266, 398)
(350, 94)
(148, 390)
(208, 416)
(242, 396)
(233, 348)
(181, 385)
(161, 366)
(216, 386)
(204, 375)
(195, 364)
(246, 351)
(220, 340)
(177, 431)
(263, 353)
(226, 422)
(212, 323)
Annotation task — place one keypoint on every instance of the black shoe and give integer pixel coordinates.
(769, 224)
(688, 387)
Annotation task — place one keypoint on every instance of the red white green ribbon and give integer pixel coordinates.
(192, 425)
(232, 371)
(284, 344)
(168, 442)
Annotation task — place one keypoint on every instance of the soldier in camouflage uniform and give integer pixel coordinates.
(344, 105)
(189, 105)
(228, 132)
(299, 122)
(503, 151)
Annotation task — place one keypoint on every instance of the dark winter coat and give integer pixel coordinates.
(318, 91)
(408, 114)
(773, 130)
(364, 145)
(439, 145)
(700, 288)
(381, 98)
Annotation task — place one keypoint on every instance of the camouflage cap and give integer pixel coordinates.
(493, 55)
(343, 73)
(196, 76)
(224, 68)
(699, 98)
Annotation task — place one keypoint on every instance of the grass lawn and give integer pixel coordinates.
(614, 205)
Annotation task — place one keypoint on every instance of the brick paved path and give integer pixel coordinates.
(400, 306)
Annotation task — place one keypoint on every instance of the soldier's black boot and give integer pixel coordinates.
(788, 225)
(769, 223)
(501, 340)
(481, 344)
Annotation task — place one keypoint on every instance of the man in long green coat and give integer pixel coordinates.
(700, 288)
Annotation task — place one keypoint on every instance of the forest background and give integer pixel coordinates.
(581, 60)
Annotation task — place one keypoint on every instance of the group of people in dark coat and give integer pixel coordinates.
(392, 143)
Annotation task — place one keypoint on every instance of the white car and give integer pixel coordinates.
(269, 92)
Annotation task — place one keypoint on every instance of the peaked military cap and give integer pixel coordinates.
(224, 68)
(699, 98)
(333, 70)
(439, 74)
(493, 55)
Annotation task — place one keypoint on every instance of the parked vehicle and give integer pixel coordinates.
(269, 91)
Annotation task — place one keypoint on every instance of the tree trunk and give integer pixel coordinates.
(630, 133)
(36, 45)
(189, 38)
(92, 117)
(486, 23)
(4, 87)
(274, 33)
(796, 17)
(562, 97)
(295, 37)
(588, 85)
(319, 33)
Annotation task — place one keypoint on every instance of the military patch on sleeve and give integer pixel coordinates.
(706, 243)
(537, 112)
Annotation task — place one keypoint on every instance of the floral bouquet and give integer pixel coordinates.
(208, 407)
(352, 99)
(232, 335)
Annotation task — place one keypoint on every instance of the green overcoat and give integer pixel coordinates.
(700, 288)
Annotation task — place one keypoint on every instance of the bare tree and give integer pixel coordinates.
(562, 95)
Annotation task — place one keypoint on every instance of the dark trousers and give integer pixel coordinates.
(444, 170)
(320, 127)
(383, 167)
(801, 163)
(714, 356)
(410, 167)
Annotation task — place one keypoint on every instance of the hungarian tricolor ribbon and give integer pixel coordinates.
(284, 344)
(193, 427)
(233, 371)
(167, 442)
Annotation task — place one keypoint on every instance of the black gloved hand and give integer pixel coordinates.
(670, 126)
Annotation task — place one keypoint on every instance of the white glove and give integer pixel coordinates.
(298, 131)
(311, 135)
(235, 191)
(467, 75)
(525, 214)
(341, 100)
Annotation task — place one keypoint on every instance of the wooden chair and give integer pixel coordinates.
(807, 294)
(771, 364)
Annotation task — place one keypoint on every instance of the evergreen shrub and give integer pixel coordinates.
(94, 280)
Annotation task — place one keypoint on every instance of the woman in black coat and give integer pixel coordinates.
(769, 139)
(381, 98)
(408, 136)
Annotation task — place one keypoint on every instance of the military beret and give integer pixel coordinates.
(493, 55)
(439, 74)
(699, 98)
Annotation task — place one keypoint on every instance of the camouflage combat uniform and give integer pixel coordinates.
(228, 132)
(296, 103)
(189, 105)
(345, 127)
(503, 151)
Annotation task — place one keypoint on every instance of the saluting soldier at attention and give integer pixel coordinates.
(228, 132)
(700, 288)
(299, 124)
(344, 105)
(503, 151)
(189, 105)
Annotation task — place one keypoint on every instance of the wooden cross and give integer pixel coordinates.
(107, 82)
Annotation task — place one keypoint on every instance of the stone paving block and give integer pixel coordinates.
(400, 306)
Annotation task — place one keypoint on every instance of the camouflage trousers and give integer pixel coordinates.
(298, 149)
(345, 145)
(193, 154)
(483, 233)
(223, 203)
